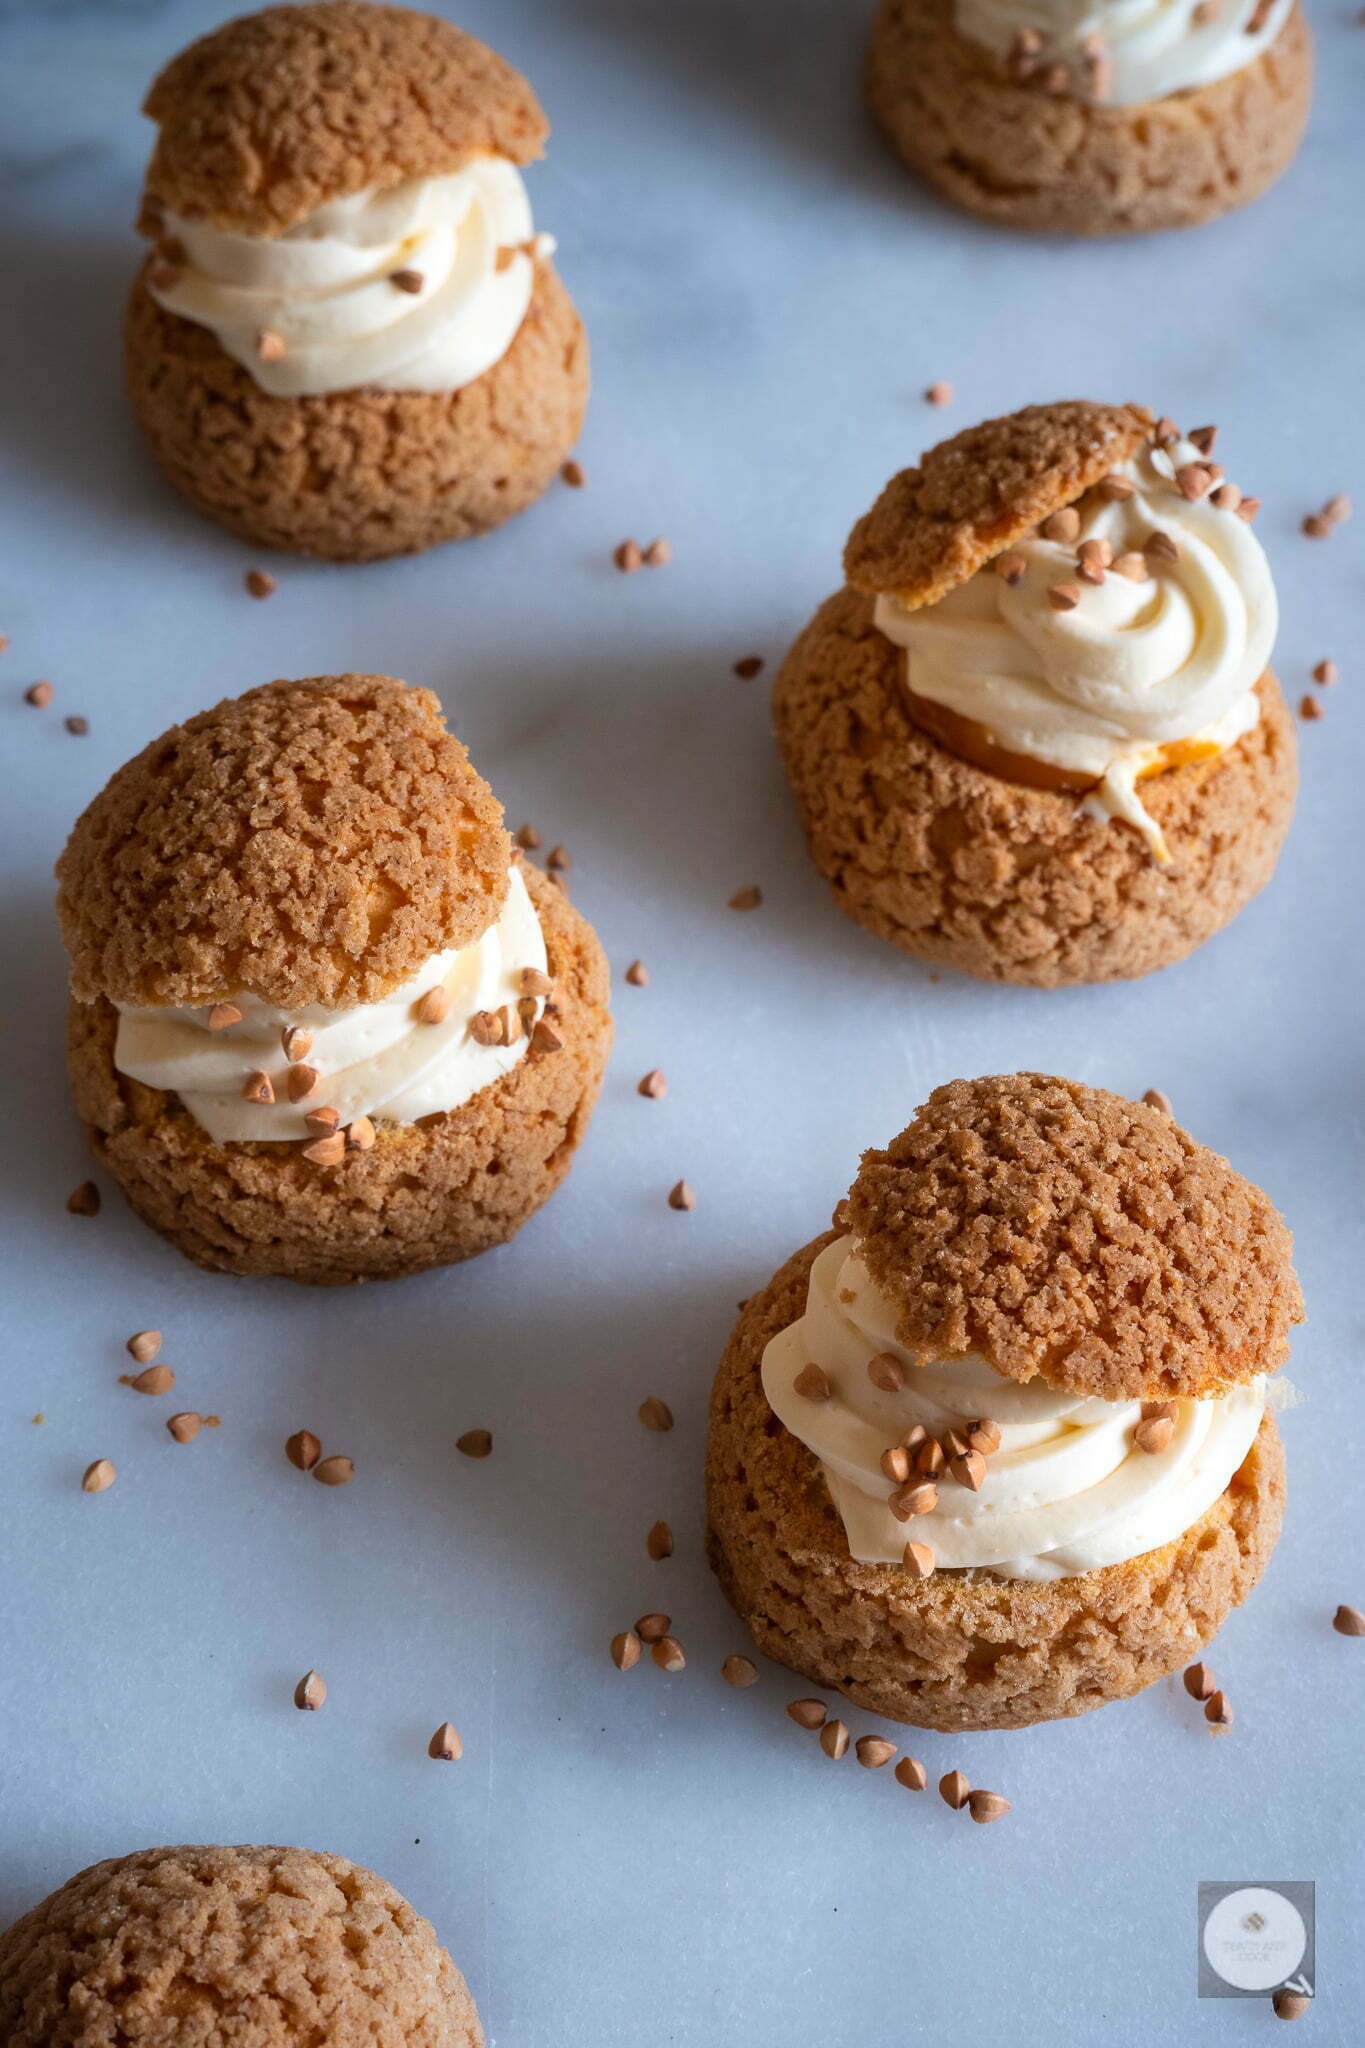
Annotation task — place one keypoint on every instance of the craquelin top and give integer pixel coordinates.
(309, 842)
(1065, 1233)
(276, 113)
(935, 525)
(204, 1946)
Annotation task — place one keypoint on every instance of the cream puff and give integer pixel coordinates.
(1036, 736)
(348, 340)
(325, 1022)
(1093, 117)
(210, 1947)
(998, 1447)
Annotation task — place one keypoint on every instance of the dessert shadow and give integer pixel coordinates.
(63, 416)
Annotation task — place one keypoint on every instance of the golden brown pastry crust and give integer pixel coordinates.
(208, 1947)
(936, 524)
(274, 114)
(308, 842)
(1067, 1234)
(1027, 159)
(964, 870)
(961, 1649)
(358, 476)
(427, 1194)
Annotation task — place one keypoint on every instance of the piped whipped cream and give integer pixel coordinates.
(419, 287)
(1126, 52)
(377, 1060)
(1068, 1489)
(1168, 657)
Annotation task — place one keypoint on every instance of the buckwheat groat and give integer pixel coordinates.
(1036, 737)
(996, 1449)
(347, 340)
(325, 1022)
(207, 1947)
(1093, 120)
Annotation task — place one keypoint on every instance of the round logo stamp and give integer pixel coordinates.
(1255, 1938)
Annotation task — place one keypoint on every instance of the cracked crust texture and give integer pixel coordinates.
(1026, 159)
(962, 869)
(936, 524)
(278, 113)
(208, 1947)
(961, 1649)
(427, 1194)
(1067, 1234)
(308, 842)
(358, 476)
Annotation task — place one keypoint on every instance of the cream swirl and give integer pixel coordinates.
(1067, 1491)
(1146, 49)
(317, 309)
(1170, 656)
(377, 1060)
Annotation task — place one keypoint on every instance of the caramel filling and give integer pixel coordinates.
(974, 742)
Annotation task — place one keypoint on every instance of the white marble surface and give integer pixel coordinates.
(651, 1859)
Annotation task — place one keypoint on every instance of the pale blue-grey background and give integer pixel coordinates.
(651, 1859)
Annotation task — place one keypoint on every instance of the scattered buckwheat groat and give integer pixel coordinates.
(380, 291)
(445, 1745)
(954, 1790)
(308, 1066)
(1319, 525)
(1349, 1621)
(986, 1806)
(1014, 829)
(230, 1948)
(154, 1379)
(960, 1516)
(303, 1449)
(475, 1443)
(739, 1671)
(1199, 1682)
(99, 1477)
(1083, 121)
(334, 1471)
(310, 1692)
